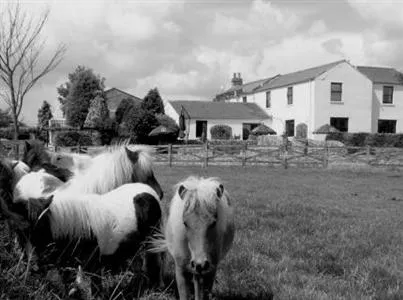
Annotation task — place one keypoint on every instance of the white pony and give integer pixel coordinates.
(98, 231)
(112, 168)
(75, 162)
(198, 233)
(20, 169)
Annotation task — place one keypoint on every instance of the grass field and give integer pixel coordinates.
(301, 234)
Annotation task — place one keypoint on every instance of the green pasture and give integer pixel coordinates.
(301, 234)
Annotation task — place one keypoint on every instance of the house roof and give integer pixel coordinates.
(298, 77)
(382, 75)
(249, 87)
(220, 110)
(114, 96)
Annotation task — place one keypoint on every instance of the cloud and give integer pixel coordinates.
(190, 48)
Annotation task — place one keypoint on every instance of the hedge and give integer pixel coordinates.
(8, 133)
(362, 139)
(73, 138)
(221, 132)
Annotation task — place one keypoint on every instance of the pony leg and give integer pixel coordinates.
(199, 287)
(208, 284)
(183, 283)
(153, 268)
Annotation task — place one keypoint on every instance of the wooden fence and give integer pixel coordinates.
(246, 155)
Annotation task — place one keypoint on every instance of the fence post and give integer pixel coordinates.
(368, 152)
(205, 155)
(285, 158)
(325, 157)
(17, 151)
(245, 148)
(170, 155)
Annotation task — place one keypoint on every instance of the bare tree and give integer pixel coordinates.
(21, 46)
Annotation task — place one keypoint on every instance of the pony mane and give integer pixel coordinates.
(203, 193)
(112, 168)
(36, 155)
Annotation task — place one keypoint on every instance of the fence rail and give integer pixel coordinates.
(243, 155)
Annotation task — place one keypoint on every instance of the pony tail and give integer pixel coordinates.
(157, 243)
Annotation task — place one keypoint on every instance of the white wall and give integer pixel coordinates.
(300, 111)
(356, 104)
(236, 126)
(388, 111)
(171, 112)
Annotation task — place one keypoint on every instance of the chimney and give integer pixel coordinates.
(237, 80)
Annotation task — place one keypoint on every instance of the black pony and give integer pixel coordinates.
(37, 157)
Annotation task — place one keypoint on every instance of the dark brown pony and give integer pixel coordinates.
(37, 157)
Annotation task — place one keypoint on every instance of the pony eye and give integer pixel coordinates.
(186, 224)
(213, 224)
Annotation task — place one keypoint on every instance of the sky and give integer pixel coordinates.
(189, 49)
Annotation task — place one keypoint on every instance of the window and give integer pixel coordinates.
(387, 95)
(289, 127)
(200, 126)
(336, 91)
(339, 123)
(268, 99)
(386, 126)
(244, 99)
(289, 95)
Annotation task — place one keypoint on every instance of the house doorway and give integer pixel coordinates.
(247, 128)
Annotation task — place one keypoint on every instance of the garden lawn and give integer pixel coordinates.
(309, 233)
(301, 234)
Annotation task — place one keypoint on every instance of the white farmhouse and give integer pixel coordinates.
(206, 114)
(349, 98)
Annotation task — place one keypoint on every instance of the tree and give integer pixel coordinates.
(124, 105)
(21, 46)
(137, 123)
(5, 118)
(153, 102)
(98, 113)
(75, 95)
(44, 115)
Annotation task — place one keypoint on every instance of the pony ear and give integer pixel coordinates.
(181, 191)
(47, 201)
(220, 191)
(15, 164)
(133, 155)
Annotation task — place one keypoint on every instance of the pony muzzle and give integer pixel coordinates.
(201, 266)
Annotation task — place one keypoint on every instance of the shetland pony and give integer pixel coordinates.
(37, 157)
(95, 231)
(37, 184)
(10, 172)
(115, 166)
(198, 233)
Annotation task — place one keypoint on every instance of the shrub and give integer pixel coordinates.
(221, 132)
(362, 139)
(8, 133)
(137, 124)
(301, 131)
(73, 138)
(357, 139)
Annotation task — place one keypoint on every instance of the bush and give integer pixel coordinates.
(73, 138)
(8, 133)
(362, 139)
(221, 132)
(301, 131)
